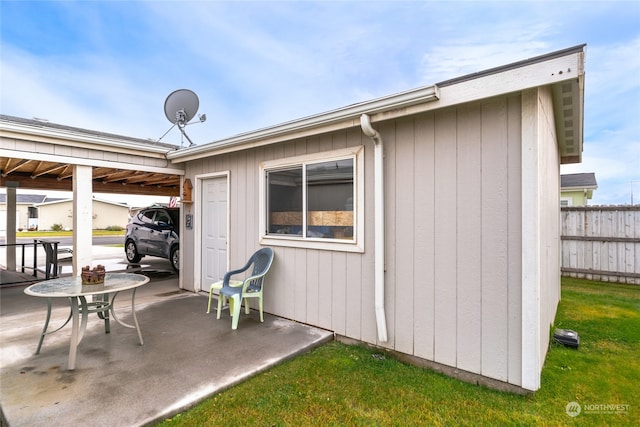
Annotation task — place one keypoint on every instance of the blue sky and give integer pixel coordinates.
(109, 65)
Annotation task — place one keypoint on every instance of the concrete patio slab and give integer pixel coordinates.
(187, 356)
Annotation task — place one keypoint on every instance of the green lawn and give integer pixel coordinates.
(342, 385)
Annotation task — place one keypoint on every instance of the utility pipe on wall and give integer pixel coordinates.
(381, 320)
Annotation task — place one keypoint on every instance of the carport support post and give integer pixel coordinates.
(82, 217)
(11, 225)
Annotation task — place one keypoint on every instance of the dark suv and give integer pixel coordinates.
(154, 231)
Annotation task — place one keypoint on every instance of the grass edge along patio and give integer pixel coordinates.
(340, 384)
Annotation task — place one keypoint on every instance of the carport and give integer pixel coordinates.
(187, 355)
(36, 154)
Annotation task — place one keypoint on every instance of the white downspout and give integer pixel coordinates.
(378, 186)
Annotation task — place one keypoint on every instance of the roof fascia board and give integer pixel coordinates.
(60, 137)
(554, 71)
(579, 188)
(542, 58)
(176, 170)
(58, 202)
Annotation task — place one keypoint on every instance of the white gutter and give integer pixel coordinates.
(378, 173)
(341, 118)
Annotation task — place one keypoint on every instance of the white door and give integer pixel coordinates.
(214, 230)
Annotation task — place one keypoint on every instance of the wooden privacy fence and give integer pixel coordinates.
(601, 243)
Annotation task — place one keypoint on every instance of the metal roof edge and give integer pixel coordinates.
(514, 65)
(350, 112)
(53, 130)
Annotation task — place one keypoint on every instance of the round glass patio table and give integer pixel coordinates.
(77, 293)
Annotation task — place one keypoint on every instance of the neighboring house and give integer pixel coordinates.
(425, 222)
(26, 213)
(577, 188)
(104, 214)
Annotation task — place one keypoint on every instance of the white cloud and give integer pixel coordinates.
(256, 64)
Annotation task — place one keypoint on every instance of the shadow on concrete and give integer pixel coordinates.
(187, 356)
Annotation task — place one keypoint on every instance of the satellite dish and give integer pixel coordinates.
(181, 106)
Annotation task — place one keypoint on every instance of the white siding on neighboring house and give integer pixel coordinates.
(22, 216)
(104, 215)
(20, 213)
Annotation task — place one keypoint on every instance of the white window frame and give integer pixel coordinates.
(354, 245)
(568, 201)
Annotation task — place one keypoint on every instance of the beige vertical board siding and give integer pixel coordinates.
(391, 200)
(186, 278)
(469, 238)
(189, 278)
(531, 230)
(494, 239)
(339, 292)
(238, 177)
(325, 297)
(338, 278)
(248, 199)
(445, 232)
(300, 283)
(356, 286)
(454, 235)
(514, 278)
(550, 220)
(252, 199)
(403, 239)
(284, 283)
(354, 290)
(425, 249)
(312, 316)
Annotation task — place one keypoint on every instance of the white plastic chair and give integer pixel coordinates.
(251, 287)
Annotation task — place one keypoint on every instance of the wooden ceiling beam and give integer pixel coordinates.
(117, 176)
(67, 172)
(17, 165)
(51, 183)
(46, 171)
